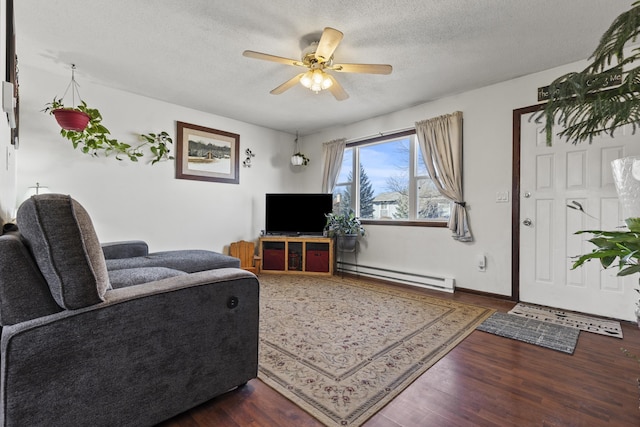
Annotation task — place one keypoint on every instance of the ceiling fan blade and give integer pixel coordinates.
(272, 58)
(337, 90)
(362, 68)
(328, 43)
(287, 85)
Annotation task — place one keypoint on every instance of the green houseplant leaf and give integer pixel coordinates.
(94, 139)
(345, 223)
(577, 101)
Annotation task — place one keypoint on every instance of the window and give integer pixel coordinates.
(390, 181)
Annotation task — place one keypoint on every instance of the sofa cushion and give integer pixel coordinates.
(138, 276)
(65, 246)
(24, 294)
(189, 261)
(125, 249)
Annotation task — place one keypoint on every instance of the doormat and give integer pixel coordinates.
(537, 332)
(609, 328)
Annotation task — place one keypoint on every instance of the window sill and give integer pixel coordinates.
(440, 224)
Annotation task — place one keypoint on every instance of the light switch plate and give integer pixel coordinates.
(502, 197)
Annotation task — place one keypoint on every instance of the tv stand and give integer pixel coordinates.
(297, 255)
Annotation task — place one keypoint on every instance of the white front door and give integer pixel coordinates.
(555, 183)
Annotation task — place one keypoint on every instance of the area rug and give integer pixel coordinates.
(585, 323)
(342, 348)
(543, 334)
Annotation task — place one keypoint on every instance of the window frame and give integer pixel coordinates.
(412, 177)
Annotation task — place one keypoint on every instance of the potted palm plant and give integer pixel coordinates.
(346, 228)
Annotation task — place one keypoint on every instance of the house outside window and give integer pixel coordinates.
(390, 182)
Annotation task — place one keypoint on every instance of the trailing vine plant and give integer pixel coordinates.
(577, 99)
(95, 138)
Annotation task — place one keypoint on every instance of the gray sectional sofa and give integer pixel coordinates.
(114, 335)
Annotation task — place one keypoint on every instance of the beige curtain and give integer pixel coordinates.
(332, 153)
(440, 140)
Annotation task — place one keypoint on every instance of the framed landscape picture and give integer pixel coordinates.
(206, 154)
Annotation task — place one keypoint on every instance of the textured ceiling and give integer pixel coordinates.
(189, 52)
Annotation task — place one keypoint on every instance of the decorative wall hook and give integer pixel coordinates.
(247, 162)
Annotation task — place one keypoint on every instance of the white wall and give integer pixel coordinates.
(129, 201)
(139, 201)
(487, 169)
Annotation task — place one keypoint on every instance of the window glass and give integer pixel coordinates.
(342, 190)
(421, 168)
(392, 183)
(431, 204)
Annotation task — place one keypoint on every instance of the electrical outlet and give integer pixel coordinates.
(482, 263)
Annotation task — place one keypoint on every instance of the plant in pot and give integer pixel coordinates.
(94, 138)
(83, 127)
(346, 228)
(299, 159)
(619, 249)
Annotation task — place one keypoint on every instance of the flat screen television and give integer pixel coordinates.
(297, 213)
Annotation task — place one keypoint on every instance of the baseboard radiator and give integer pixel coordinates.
(446, 284)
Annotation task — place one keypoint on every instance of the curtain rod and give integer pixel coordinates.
(389, 132)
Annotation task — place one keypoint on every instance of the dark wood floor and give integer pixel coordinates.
(485, 381)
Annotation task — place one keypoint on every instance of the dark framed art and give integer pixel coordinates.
(206, 154)
(11, 72)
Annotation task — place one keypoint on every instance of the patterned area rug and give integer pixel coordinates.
(341, 349)
(610, 328)
(543, 334)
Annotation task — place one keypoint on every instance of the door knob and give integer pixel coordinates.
(527, 222)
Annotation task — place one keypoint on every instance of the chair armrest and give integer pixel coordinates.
(125, 249)
(146, 353)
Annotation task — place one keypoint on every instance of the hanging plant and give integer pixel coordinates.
(83, 127)
(94, 138)
(299, 159)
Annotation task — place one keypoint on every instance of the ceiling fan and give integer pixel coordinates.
(318, 59)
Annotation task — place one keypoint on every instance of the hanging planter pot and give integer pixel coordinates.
(299, 159)
(71, 119)
(83, 127)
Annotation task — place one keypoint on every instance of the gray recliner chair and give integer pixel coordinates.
(76, 351)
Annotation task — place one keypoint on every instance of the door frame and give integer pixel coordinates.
(515, 198)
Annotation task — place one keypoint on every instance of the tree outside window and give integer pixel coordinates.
(393, 183)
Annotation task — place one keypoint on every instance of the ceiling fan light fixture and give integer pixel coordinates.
(317, 57)
(306, 79)
(318, 77)
(316, 80)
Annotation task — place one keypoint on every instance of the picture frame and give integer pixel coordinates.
(206, 154)
(11, 71)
